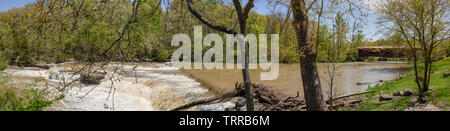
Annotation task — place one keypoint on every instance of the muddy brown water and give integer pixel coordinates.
(351, 77)
(162, 86)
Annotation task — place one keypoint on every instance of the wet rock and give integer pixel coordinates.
(56, 76)
(266, 99)
(413, 101)
(400, 93)
(216, 107)
(243, 108)
(239, 104)
(408, 92)
(385, 97)
(446, 74)
(92, 77)
(127, 73)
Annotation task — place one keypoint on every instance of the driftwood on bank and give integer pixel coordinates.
(346, 103)
(43, 66)
(350, 95)
(92, 77)
(270, 99)
(238, 91)
(263, 94)
(276, 101)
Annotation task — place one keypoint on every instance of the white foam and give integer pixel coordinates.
(153, 90)
(27, 73)
(128, 97)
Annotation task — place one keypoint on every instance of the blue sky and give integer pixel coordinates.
(5, 5)
(261, 6)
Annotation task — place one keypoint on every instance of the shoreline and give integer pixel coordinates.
(438, 96)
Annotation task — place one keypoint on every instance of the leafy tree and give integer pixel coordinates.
(424, 26)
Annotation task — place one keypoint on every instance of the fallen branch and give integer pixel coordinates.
(350, 102)
(274, 101)
(236, 92)
(349, 95)
(41, 66)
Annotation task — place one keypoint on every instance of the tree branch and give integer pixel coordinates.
(131, 20)
(248, 7)
(207, 22)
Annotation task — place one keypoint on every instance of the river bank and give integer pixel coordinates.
(351, 77)
(126, 87)
(438, 96)
(162, 86)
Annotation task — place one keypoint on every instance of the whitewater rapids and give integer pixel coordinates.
(139, 87)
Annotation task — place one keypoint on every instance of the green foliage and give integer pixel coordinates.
(32, 100)
(4, 62)
(447, 48)
(256, 23)
(440, 97)
(55, 31)
(14, 99)
(161, 54)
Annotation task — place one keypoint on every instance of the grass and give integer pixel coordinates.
(439, 96)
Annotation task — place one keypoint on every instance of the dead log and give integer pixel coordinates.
(42, 66)
(290, 104)
(266, 94)
(273, 100)
(276, 101)
(349, 95)
(92, 77)
(239, 90)
(350, 102)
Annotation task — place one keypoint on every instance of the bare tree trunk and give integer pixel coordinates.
(242, 16)
(310, 75)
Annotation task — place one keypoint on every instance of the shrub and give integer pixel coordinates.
(4, 62)
(14, 99)
(161, 54)
(447, 51)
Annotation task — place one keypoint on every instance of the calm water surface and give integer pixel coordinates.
(351, 77)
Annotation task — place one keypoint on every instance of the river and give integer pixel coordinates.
(161, 86)
(350, 77)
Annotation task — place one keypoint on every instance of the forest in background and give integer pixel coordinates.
(54, 31)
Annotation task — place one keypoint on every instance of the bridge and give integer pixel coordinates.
(383, 51)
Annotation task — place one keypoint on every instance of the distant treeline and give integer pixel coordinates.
(56, 31)
(52, 31)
